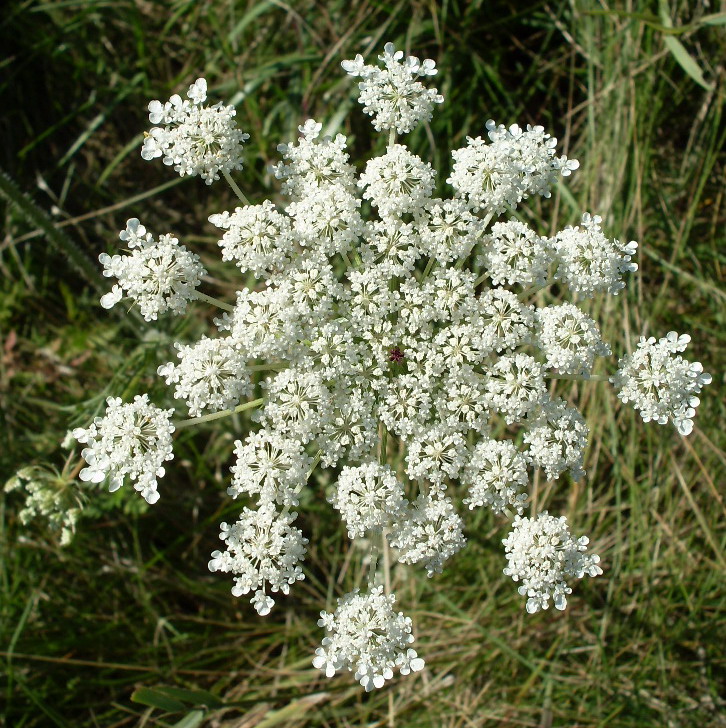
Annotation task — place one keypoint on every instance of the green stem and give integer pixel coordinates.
(580, 378)
(372, 562)
(427, 269)
(267, 367)
(313, 465)
(383, 444)
(391, 137)
(235, 188)
(527, 292)
(386, 561)
(481, 279)
(347, 260)
(217, 415)
(214, 301)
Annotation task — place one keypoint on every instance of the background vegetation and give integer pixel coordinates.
(126, 627)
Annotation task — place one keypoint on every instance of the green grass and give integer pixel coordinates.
(130, 605)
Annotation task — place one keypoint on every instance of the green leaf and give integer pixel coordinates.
(293, 711)
(683, 58)
(685, 61)
(36, 216)
(192, 697)
(249, 16)
(192, 720)
(157, 699)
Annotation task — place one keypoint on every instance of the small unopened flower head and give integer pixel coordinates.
(159, 275)
(195, 139)
(543, 555)
(368, 496)
(258, 238)
(211, 375)
(366, 636)
(263, 551)
(590, 263)
(432, 533)
(660, 383)
(132, 441)
(393, 95)
(496, 476)
(397, 182)
(557, 438)
(569, 339)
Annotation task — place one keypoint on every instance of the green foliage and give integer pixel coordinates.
(126, 626)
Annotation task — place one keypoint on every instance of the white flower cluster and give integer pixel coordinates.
(195, 139)
(398, 343)
(159, 275)
(263, 551)
(515, 164)
(258, 238)
(131, 440)
(542, 554)
(211, 375)
(569, 339)
(661, 384)
(366, 636)
(368, 497)
(590, 263)
(393, 95)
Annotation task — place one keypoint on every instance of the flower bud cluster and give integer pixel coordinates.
(49, 497)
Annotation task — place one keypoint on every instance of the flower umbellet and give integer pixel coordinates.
(399, 343)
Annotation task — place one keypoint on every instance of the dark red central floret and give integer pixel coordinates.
(396, 356)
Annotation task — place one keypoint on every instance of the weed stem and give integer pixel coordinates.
(214, 301)
(218, 415)
(581, 378)
(235, 188)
